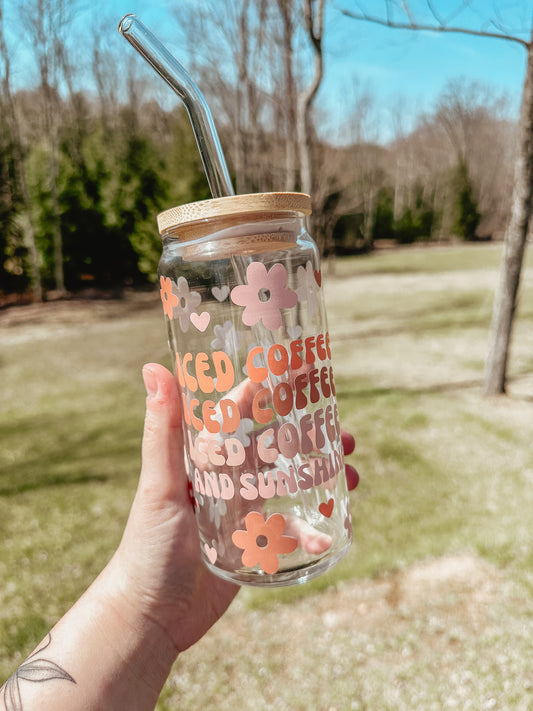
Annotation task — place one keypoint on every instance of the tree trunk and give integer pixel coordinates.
(514, 245)
(289, 108)
(314, 26)
(29, 232)
(57, 239)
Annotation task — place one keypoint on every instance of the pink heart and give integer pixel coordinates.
(326, 509)
(211, 553)
(220, 292)
(201, 321)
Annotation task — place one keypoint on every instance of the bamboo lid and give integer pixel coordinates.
(233, 205)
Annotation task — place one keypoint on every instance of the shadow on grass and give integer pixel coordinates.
(465, 311)
(49, 482)
(349, 389)
(67, 450)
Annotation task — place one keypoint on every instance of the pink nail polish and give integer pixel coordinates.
(150, 381)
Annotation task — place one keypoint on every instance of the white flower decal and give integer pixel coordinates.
(246, 426)
(227, 338)
(188, 301)
(308, 288)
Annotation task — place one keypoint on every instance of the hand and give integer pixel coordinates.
(159, 561)
(159, 555)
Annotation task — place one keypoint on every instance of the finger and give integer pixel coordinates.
(309, 539)
(163, 470)
(352, 477)
(348, 442)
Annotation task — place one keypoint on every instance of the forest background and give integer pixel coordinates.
(92, 147)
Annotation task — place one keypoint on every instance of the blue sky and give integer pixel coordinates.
(361, 56)
(416, 65)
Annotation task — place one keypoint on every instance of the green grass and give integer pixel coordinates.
(425, 260)
(442, 471)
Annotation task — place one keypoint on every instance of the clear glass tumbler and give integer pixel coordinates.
(241, 288)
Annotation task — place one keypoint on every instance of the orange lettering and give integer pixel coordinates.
(330, 425)
(309, 345)
(196, 421)
(256, 375)
(326, 390)
(328, 350)
(332, 381)
(224, 371)
(296, 359)
(314, 394)
(262, 415)
(190, 381)
(278, 365)
(231, 417)
(206, 383)
(320, 349)
(209, 413)
(282, 398)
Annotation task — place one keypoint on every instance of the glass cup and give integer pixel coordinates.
(241, 288)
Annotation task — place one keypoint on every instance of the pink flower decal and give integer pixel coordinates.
(265, 295)
(167, 297)
(263, 541)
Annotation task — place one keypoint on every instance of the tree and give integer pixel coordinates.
(19, 167)
(252, 63)
(314, 24)
(46, 23)
(471, 116)
(505, 301)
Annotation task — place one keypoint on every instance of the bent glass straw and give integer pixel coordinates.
(149, 47)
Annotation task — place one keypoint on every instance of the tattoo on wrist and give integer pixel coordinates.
(34, 669)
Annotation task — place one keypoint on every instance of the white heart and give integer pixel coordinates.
(220, 292)
(294, 331)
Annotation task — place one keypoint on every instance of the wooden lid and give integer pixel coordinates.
(233, 205)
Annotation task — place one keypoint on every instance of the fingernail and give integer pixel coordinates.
(150, 381)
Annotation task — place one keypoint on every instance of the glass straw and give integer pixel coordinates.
(149, 47)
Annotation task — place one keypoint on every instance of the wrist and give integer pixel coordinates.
(144, 647)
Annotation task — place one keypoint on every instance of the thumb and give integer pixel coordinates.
(163, 472)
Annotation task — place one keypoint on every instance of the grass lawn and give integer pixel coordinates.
(433, 606)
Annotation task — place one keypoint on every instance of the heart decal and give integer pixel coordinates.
(211, 553)
(201, 321)
(318, 277)
(294, 331)
(326, 509)
(220, 292)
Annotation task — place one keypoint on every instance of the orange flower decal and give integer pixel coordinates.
(167, 297)
(263, 541)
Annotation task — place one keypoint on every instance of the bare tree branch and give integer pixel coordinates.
(413, 25)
